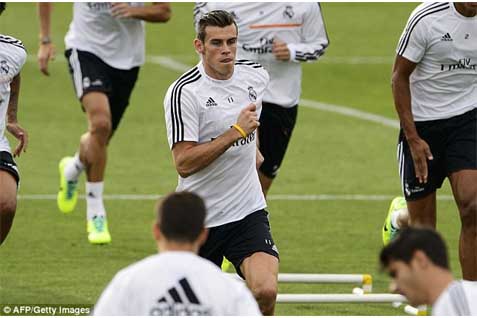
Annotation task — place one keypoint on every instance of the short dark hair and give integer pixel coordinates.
(181, 216)
(3, 5)
(218, 18)
(410, 240)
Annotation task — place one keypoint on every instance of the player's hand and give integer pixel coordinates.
(21, 134)
(280, 50)
(46, 53)
(122, 10)
(420, 153)
(248, 119)
(260, 159)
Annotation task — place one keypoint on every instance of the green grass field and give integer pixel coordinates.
(47, 259)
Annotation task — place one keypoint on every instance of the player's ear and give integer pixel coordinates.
(157, 232)
(203, 236)
(199, 46)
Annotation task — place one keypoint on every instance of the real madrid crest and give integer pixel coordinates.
(252, 94)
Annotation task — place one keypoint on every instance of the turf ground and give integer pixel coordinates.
(47, 258)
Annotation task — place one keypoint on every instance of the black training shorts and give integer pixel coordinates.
(453, 144)
(238, 240)
(8, 164)
(275, 131)
(90, 74)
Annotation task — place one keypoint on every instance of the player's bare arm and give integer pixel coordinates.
(402, 99)
(12, 122)
(46, 50)
(191, 157)
(157, 12)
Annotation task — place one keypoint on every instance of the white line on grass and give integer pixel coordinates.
(271, 197)
(177, 66)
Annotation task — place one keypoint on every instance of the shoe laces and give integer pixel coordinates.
(71, 188)
(98, 223)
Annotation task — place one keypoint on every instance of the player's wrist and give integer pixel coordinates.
(240, 130)
(45, 40)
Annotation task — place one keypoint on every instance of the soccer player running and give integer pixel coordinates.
(12, 57)
(176, 282)
(212, 114)
(279, 36)
(104, 48)
(418, 263)
(434, 84)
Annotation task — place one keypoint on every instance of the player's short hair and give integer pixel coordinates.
(410, 240)
(181, 216)
(218, 18)
(3, 5)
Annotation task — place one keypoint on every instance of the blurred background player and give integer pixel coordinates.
(212, 114)
(434, 88)
(418, 264)
(104, 48)
(176, 282)
(12, 57)
(279, 36)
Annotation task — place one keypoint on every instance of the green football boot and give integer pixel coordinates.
(98, 232)
(68, 194)
(389, 231)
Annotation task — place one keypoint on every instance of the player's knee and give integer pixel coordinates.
(101, 128)
(266, 295)
(468, 214)
(7, 209)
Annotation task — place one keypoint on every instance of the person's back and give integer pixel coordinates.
(175, 283)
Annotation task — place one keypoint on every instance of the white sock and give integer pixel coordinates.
(94, 200)
(394, 218)
(74, 168)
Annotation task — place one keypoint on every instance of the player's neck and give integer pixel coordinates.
(464, 10)
(217, 75)
(171, 246)
(441, 279)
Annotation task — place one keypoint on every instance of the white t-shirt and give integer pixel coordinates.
(175, 284)
(199, 108)
(459, 299)
(300, 25)
(12, 58)
(443, 43)
(119, 42)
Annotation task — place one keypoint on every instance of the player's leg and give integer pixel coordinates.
(261, 274)
(250, 248)
(276, 127)
(93, 154)
(8, 194)
(8, 203)
(464, 187)
(462, 170)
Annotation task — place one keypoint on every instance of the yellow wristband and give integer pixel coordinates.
(240, 130)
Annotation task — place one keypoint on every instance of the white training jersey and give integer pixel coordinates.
(175, 284)
(199, 108)
(459, 299)
(443, 43)
(12, 57)
(119, 42)
(300, 25)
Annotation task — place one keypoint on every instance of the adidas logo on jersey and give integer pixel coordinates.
(180, 300)
(446, 37)
(210, 102)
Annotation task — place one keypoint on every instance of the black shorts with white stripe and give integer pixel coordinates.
(8, 164)
(453, 144)
(239, 240)
(90, 74)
